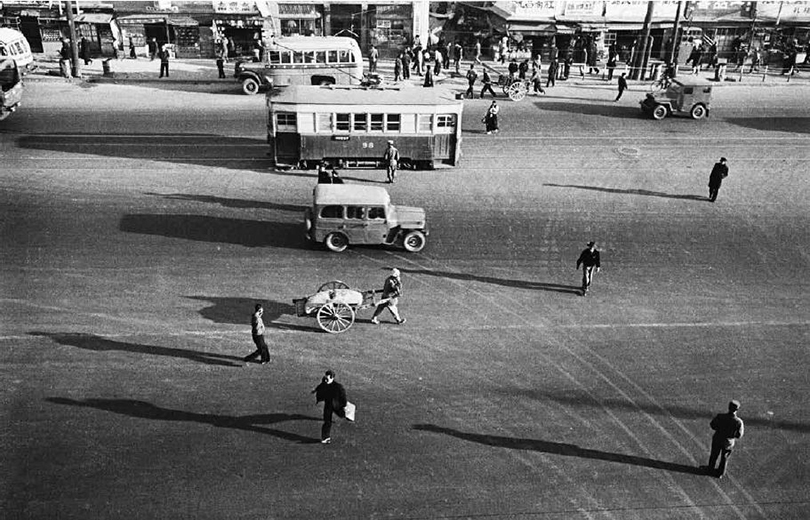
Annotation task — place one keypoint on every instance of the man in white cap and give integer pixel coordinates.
(727, 429)
(391, 159)
(392, 290)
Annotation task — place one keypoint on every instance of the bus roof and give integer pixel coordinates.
(314, 43)
(350, 194)
(355, 95)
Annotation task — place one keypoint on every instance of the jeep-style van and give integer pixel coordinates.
(343, 214)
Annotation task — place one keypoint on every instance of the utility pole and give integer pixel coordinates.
(676, 40)
(641, 58)
(76, 71)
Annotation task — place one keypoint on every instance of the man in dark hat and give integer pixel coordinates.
(727, 429)
(719, 172)
(334, 400)
(589, 260)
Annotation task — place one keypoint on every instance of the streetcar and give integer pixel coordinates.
(351, 125)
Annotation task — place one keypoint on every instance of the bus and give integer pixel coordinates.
(304, 60)
(14, 45)
(351, 125)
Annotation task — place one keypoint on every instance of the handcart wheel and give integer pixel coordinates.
(517, 91)
(331, 286)
(335, 317)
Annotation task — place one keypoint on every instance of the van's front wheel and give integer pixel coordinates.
(250, 86)
(336, 242)
(414, 241)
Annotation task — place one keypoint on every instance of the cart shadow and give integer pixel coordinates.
(229, 203)
(201, 228)
(558, 448)
(520, 284)
(96, 343)
(238, 311)
(145, 410)
(646, 193)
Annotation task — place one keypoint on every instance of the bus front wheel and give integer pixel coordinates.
(250, 86)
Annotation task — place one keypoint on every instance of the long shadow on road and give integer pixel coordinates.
(145, 410)
(100, 344)
(646, 193)
(558, 448)
(249, 233)
(608, 109)
(799, 125)
(237, 311)
(520, 284)
(230, 203)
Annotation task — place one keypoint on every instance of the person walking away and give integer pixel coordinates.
(536, 81)
(132, 54)
(392, 290)
(398, 68)
(719, 172)
(755, 60)
(373, 56)
(153, 49)
(611, 61)
(727, 429)
(491, 117)
(164, 60)
(622, 86)
(428, 77)
(222, 56)
(589, 260)
(694, 58)
(333, 396)
(257, 331)
(552, 73)
(439, 59)
(84, 51)
(471, 77)
(487, 81)
(458, 52)
(391, 160)
(478, 51)
(64, 59)
(406, 64)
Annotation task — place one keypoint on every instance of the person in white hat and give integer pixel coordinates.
(391, 160)
(392, 290)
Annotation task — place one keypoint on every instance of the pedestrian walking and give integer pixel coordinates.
(537, 83)
(727, 429)
(418, 57)
(164, 60)
(523, 68)
(391, 160)
(333, 396)
(439, 61)
(471, 77)
(64, 59)
(590, 262)
(478, 51)
(719, 172)
(487, 81)
(694, 58)
(152, 45)
(458, 52)
(756, 58)
(221, 51)
(428, 77)
(491, 117)
(257, 331)
(398, 68)
(373, 56)
(406, 64)
(611, 61)
(622, 86)
(392, 290)
(84, 51)
(552, 73)
(132, 54)
(513, 68)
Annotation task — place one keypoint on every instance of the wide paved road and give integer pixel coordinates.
(140, 225)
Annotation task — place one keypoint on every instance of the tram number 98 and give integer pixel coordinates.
(368, 145)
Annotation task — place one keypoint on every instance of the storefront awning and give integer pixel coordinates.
(531, 29)
(592, 27)
(618, 26)
(561, 28)
(103, 18)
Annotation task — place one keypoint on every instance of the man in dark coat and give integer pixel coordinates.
(84, 51)
(589, 260)
(334, 400)
(719, 172)
(727, 429)
(622, 86)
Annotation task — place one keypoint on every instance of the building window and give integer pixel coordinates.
(393, 122)
(286, 122)
(343, 122)
(446, 121)
(609, 39)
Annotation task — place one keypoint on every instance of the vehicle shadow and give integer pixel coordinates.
(229, 203)
(238, 311)
(799, 125)
(145, 410)
(647, 193)
(201, 228)
(520, 284)
(607, 109)
(96, 343)
(558, 448)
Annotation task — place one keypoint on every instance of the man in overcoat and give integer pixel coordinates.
(719, 172)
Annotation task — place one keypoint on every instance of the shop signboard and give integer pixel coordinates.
(636, 10)
(798, 11)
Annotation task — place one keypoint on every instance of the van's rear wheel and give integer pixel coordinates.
(336, 242)
(250, 86)
(414, 241)
(659, 112)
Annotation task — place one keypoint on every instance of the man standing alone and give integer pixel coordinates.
(727, 429)
(589, 259)
(257, 330)
(164, 60)
(391, 160)
(719, 172)
(373, 56)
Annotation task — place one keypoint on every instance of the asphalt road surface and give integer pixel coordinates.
(139, 225)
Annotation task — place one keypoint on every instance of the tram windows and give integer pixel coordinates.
(286, 122)
(332, 56)
(445, 123)
(320, 57)
(393, 122)
(423, 123)
(298, 57)
(323, 123)
(343, 122)
(345, 56)
(360, 123)
(377, 121)
(309, 57)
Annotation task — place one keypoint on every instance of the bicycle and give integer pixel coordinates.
(660, 84)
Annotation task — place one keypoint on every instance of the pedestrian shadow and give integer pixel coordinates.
(96, 343)
(647, 193)
(520, 284)
(799, 125)
(558, 448)
(229, 203)
(203, 228)
(238, 311)
(145, 410)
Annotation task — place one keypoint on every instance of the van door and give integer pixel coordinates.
(376, 225)
(355, 224)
